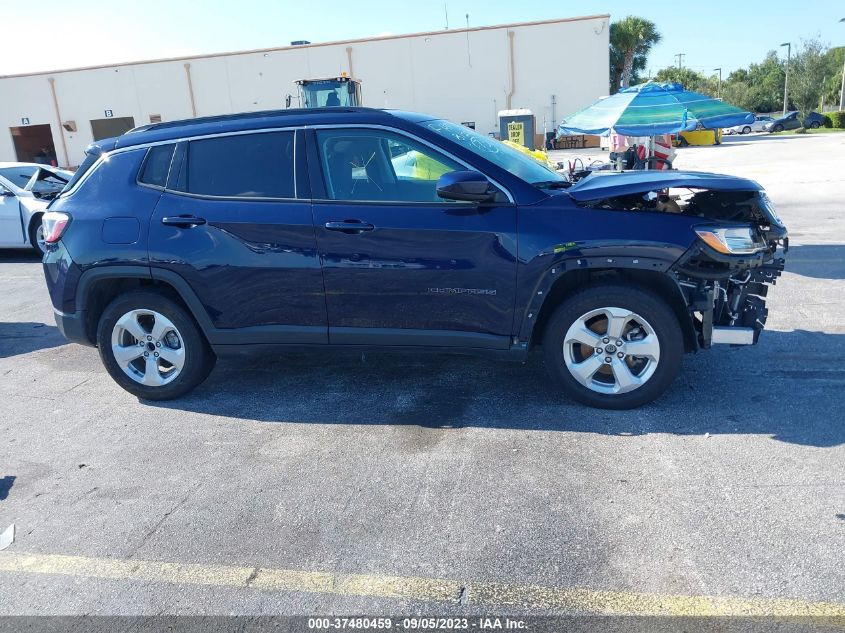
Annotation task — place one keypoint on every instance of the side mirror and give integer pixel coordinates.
(5, 193)
(470, 186)
(287, 101)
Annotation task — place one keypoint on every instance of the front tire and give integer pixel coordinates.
(152, 347)
(778, 128)
(815, 125)
(613, 347)
(746, 130)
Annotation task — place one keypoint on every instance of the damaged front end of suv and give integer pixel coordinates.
(725, 274)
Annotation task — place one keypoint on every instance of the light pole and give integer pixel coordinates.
(680, 57)
(786, 78)
(842, 90)
(719, 91)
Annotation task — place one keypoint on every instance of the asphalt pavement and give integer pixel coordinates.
(437, 484)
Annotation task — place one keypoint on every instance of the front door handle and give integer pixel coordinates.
(184, 221)
(349, 226)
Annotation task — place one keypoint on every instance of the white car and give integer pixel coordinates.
(759, 124)
(25, 191)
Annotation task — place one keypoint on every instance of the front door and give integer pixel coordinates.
(10, 218)
(401, 265)
(235, 226)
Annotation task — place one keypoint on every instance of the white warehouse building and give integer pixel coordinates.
(552, 68)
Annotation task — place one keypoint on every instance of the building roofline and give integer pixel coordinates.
(303, 46)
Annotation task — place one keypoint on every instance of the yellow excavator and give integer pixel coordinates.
(330, 92)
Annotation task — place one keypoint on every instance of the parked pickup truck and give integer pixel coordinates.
(182, 241)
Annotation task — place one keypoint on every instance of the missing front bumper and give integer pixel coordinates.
(728, 304)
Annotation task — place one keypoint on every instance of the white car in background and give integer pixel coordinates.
(746, 128)
(25, 191)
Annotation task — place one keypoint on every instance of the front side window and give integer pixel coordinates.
(378, 165)
(241, 166)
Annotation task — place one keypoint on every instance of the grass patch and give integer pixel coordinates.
(818, 130)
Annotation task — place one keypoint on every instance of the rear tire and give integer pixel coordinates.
(814, 125)
(778, 128)
(638, 337)
(746, 129)
(152, 347)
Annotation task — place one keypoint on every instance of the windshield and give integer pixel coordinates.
(48, 182)
(497, 153)
(18, 175)
(328, 93)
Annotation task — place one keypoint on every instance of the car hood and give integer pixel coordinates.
(610, 185)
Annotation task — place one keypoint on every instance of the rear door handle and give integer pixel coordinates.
(185, 221)
(349, 226)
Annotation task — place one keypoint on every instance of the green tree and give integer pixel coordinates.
(690, 79)
(766, 82)
(740, 94)
(758, 88)
(631, 39)
(833, 76)
(807, 76)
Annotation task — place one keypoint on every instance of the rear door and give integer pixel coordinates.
(401, 265)
(235, 223)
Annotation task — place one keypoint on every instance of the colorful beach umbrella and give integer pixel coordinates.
(651, 109)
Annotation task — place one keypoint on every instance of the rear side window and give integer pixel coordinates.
(241, 166)
(157, 165)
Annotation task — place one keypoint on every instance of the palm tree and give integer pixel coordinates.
(630, 41)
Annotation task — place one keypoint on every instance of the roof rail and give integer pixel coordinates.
(241, 116)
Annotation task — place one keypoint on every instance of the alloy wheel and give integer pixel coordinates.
(611, 350)
(148, 347)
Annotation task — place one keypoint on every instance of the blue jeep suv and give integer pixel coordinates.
(356, 228)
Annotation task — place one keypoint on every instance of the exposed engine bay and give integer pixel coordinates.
(731, 206)
(724, 276)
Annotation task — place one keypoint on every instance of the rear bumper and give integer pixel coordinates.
(72, 326)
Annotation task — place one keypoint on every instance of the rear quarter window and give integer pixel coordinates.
(156, 165)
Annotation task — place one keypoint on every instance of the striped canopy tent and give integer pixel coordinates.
(651, 109)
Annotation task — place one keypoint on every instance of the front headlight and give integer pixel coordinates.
(740, 240)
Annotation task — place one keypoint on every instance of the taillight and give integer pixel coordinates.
(54, 225)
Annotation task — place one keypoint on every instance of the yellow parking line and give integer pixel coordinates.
(485, 594)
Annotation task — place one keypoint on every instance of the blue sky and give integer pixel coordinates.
(89, 32)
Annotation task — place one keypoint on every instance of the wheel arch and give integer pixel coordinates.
(657, 282)
(33, 218)
(100, 286)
